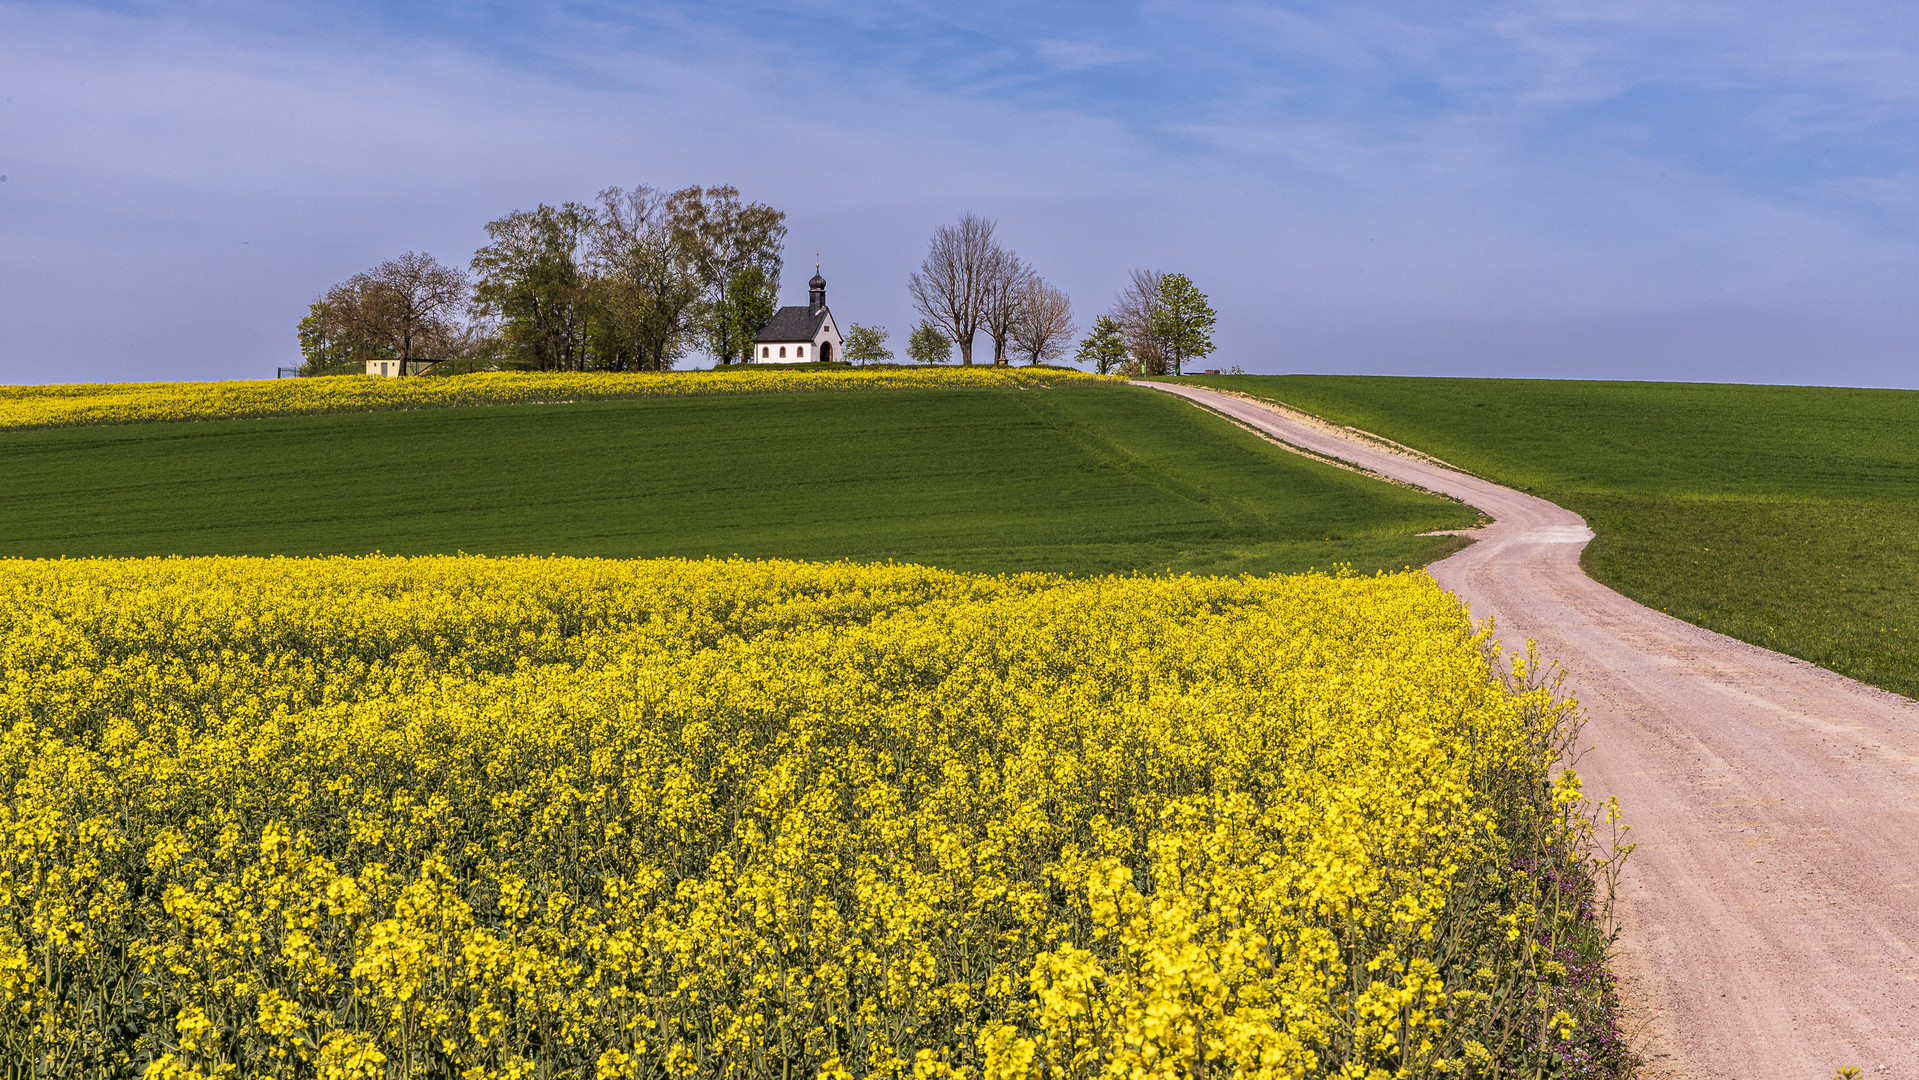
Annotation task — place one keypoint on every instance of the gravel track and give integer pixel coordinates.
(1771, 911)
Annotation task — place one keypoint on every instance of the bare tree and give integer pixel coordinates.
(1138, 313)
(1006, 281)
(1043, 322)
(418, 301)
(952, 285)
(477, 345)
(406, 308)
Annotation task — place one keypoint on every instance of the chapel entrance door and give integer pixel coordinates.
(826, 351)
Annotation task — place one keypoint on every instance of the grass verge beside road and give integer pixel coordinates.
(1078, 478)
(1783, 516)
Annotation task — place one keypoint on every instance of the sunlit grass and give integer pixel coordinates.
(978, 475)
(1785, 516)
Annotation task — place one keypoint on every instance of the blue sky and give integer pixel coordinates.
(1710, 191)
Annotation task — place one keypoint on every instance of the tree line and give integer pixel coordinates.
(1159, 322)
(970, 284)
(642, 277)
(632, 282)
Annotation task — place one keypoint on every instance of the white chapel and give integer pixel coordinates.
(798, 335)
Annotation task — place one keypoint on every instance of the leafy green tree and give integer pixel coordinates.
(632, 283)
(1104, 347)
(745, 308)
(867, 345)
(1184, 322)
(532, 278)
(928, 345)
(326, 344)
(646, 304)
(722, 237)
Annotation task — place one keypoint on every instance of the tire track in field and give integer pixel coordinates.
(1771, 912)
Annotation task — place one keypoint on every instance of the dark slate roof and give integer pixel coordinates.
(791, 324)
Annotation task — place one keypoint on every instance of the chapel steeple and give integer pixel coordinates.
(801, 335)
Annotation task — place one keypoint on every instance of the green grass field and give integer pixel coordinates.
(1072, 479)
(1784, 516)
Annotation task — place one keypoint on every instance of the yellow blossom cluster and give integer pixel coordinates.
(72, 404)
(461, 817)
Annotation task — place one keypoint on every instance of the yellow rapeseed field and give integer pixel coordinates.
(460, 817)
(71, 404)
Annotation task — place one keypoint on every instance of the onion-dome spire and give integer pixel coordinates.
(816, 295)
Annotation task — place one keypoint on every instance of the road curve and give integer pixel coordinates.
(1771, 912)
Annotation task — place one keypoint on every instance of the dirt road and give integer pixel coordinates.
(1771, 912)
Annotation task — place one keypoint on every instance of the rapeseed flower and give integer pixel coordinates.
(501, 818)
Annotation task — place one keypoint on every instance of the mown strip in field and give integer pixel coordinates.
(1076, 478)
(1784, 516)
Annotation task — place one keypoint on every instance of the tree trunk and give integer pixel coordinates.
(966, 349)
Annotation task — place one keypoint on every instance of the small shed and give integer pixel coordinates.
(390, 369)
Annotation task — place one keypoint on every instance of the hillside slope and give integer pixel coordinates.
(1784, 516)
(1077, 478)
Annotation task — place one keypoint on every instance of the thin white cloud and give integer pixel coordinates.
(1085, 55)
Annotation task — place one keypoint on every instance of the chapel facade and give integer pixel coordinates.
(799, 335)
